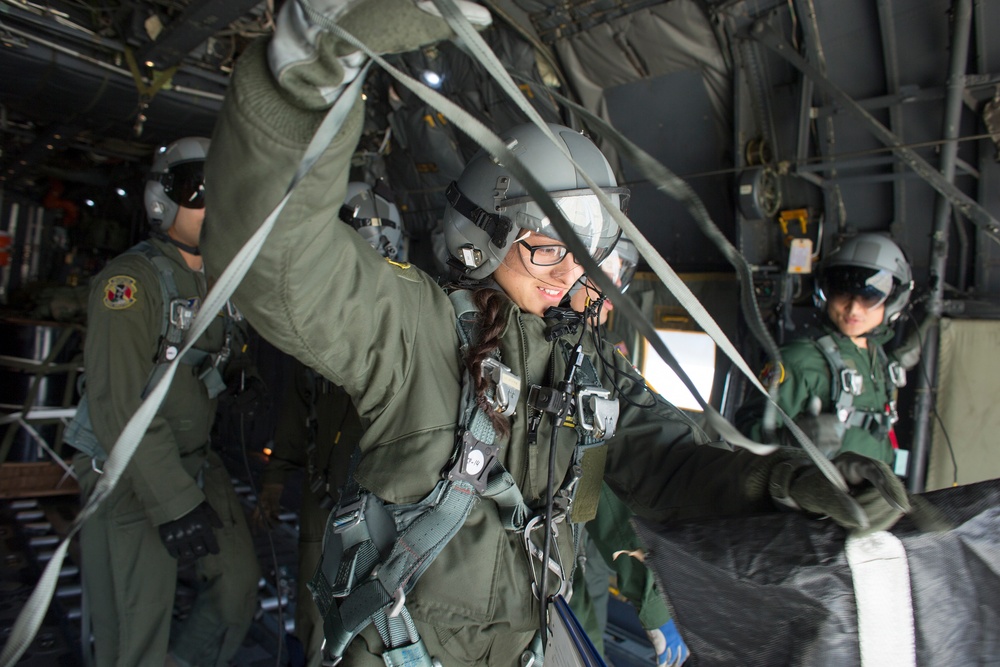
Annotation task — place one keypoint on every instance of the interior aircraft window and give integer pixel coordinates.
(695, 352)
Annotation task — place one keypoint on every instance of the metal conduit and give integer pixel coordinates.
(917, 477)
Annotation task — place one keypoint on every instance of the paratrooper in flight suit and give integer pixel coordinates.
(439, 550)
(175, 500)
(841, 386)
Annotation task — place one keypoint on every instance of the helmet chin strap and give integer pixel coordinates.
(163, 236)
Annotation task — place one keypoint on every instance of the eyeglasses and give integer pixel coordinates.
(185, 184)
(546, 255)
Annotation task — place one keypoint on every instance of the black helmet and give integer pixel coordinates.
(177, 178)
(869, 266)
(374, 217)
(488, 207)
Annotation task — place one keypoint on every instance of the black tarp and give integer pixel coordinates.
(777, 589)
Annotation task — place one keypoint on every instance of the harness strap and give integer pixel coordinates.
(875, 422)
(347, 606)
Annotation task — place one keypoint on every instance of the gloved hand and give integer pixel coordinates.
(872, 485)
(825, 430)
(265, 515)
(308, 61)
(668, 644)
(192, 535)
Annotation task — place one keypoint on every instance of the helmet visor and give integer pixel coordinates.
(594, 226)
(185, 184)
(870, 287)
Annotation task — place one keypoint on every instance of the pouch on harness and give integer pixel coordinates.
(178, 314)
(373, 553)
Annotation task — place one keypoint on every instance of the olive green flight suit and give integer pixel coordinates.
(318, 412)
(386, 333)
(806, 374)
(129, 578)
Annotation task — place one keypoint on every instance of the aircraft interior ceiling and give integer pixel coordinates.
(708, 88)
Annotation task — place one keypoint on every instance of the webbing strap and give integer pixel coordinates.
(347, 609)
(30, 619)
(421, 542)
(881, 577)
(502, 489)
(842, 400)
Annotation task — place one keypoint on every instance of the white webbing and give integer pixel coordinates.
(885, 607)
(30, 619)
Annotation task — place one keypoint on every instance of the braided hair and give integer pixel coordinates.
(490, 303)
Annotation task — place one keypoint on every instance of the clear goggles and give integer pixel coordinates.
(184, 184)
(594, 226)
(871, 288)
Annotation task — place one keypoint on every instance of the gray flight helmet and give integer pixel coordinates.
(175, 179)
(488, 208)
(375, 218)
(867, 263)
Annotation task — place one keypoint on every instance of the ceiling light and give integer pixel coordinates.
(432, 79)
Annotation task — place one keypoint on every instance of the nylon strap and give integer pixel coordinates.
(842, 400)
(885, 606)
(30, 619)
(660, 175)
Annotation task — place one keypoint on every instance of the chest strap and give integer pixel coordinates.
(847, 382)
(178, 316)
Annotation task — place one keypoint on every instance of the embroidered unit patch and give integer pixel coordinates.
(120, 292)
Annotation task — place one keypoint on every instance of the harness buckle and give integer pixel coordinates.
(182, 313)
(603, 412)
(851, 381)
(350, 515)
(507, 386)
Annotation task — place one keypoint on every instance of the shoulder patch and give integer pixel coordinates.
(120, 292)
(770, 374)
(622, 349)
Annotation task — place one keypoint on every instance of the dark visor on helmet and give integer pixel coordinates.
(185, 184)
(870, 287)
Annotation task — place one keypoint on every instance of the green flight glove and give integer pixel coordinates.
(797, 483)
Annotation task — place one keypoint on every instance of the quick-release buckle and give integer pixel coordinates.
(350, 515)
(851, 381)
(603, 421)
(506, 386)
(182, 313)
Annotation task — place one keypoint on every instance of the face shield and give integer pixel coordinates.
(594, 226)
(870, 287)
(184, 184)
